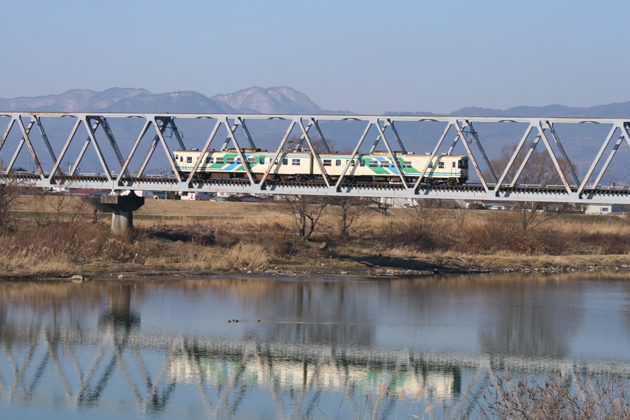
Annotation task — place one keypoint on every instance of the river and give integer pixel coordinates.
(284, 348)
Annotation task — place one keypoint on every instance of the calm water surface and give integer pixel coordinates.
(323, 349)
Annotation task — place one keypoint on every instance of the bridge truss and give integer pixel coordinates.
(126, 171)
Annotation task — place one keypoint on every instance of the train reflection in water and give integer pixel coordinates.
(164, 347)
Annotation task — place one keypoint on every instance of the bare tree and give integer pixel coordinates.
(423, 221)
(9, 192)
(538, 170)
(305, 210)
(317, 143)
(530, 215)
(59, 201)
(458, 213)
(348, 210)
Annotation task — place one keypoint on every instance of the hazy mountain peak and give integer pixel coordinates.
(280, 100)
(275, 100)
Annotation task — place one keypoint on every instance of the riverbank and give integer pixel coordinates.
(202, 238)
(379, 268)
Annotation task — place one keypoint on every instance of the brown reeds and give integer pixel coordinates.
(557, 397)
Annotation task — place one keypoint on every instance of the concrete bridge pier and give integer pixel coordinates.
(123, 207)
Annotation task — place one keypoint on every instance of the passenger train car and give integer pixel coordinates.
(301, 166)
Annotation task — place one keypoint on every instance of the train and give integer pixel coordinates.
(301, 166)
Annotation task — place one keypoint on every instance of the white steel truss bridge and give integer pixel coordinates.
(123, 164)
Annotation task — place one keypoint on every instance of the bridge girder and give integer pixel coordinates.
(491, 186)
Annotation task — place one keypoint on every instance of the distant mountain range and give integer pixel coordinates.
(256, 100)
(615, 110)
(275, 100)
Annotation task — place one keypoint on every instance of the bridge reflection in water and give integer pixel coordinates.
(321, 348)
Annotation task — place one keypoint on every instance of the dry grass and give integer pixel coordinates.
(29, 265)
(240, 256)
(182, 235)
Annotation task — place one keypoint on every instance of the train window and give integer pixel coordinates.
(373, 163)
(181, 158)
(295, 162)
(262, 160)
(238, 160)
(353, 162)
(430, 164)
(453, 164)
(406, 164)
(361, 162)
(208, 160)
(230, 160)
(463, 164)
(327, 162)
(285, 161)
(440, 164)
(338, 162)
(251, 160)
(385, 163)
(189, 159)
(219, 160)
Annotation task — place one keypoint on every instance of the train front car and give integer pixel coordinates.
(444, 169)
(379, 167)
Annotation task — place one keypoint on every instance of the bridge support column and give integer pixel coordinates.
(123, 207)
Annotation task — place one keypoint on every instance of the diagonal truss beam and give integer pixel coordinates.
(30, 145)
(389, 150)
(460, 131)
(567, 161)
(552, 155)
(354, 153)
(513, 158)
(64, 150)
(238, 149)
(132, 152)
(204, 150)
(475, 136)
(169, 156)
(278, 151)
(598, 157)
(435, 150)
(85, 145)
(112, 141)
(315, 154)
(20, 144)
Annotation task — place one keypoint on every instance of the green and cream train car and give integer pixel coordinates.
(300, 166)
(379, 166)
(227, 164)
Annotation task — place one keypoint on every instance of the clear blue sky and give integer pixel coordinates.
(363, 56)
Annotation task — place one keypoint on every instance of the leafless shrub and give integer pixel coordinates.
(9, 193)
(305, 211)
(556, 398)
(348, 211)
